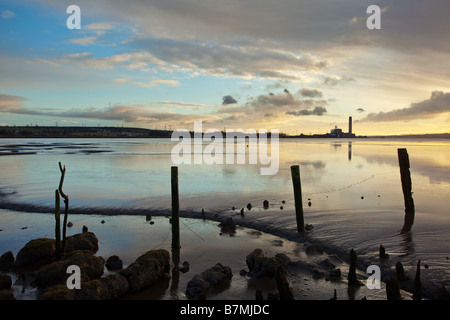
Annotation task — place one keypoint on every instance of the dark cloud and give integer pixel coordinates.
(438, 103)
(318, 111)
(361, 110)
(310, 93)
(228, 100)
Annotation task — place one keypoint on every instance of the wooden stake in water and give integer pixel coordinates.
(403, 160)
(57, 226)
(175, 209)
(295, 172)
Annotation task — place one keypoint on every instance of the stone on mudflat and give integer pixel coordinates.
(147, 269)
(91, 267)
(36, 253)
(201, 284)
(6, 261)
(81, 241)
(261, 266)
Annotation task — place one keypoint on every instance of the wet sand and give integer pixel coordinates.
(202, 245)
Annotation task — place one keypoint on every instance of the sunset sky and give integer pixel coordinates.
(294, 65)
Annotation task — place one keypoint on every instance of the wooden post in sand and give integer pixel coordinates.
(295, 173)
(175, 209)
(403, 160)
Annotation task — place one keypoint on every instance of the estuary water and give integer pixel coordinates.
(351, 188)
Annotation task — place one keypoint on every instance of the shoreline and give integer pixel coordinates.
(307, 257)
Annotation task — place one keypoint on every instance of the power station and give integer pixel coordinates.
(338, 133)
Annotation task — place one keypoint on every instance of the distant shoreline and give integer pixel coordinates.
(129, 132)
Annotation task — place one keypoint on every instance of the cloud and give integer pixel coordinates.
(195, 57)
(228, 100)
(360, 110)
(149, 84)
(336, 80)
(311, 93)
(438, 103)
(318, 111)
(7, 14)
(10, 103)
(276, 105)
(85, 40)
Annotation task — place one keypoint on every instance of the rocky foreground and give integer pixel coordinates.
(37, 266)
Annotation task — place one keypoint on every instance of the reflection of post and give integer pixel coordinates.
(349, 150)
(295, 173)
(175, 209)
(403, 160)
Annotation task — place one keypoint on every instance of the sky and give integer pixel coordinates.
(299, 66)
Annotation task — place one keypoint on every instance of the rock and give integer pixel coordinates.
(114, 263)
(5, 281)
(335, 274)
(383, 255)
(283, 259)
(91, 267)
(147, 269)
(6, 261)
(313, 249)
(309, 203)
(81, 241)
(185, 268)
(201, 284)
(228, 226)
(36, 253)
(261, 266)
(6, 295)
(265, 204)
(317, 274)
(249, 206)
(84, 229)
(70, 224)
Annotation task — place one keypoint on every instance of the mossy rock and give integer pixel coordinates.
(36, 253)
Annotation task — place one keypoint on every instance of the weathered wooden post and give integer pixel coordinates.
(352, 279)
(66, 206)
(57, 226)
(295, 173)
(403, 160)
(417, 289)
(175, 209)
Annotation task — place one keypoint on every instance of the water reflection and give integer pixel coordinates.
(407, 244)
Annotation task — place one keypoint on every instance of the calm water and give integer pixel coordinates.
(354, 188)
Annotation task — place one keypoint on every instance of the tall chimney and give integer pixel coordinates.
(350, 125)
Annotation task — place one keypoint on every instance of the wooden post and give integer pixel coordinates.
(403, 160)
(352, 279)
(66, 206)
(417, 289)
(57, 226)
(295, 173)
(283, 287)
(175, 209)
